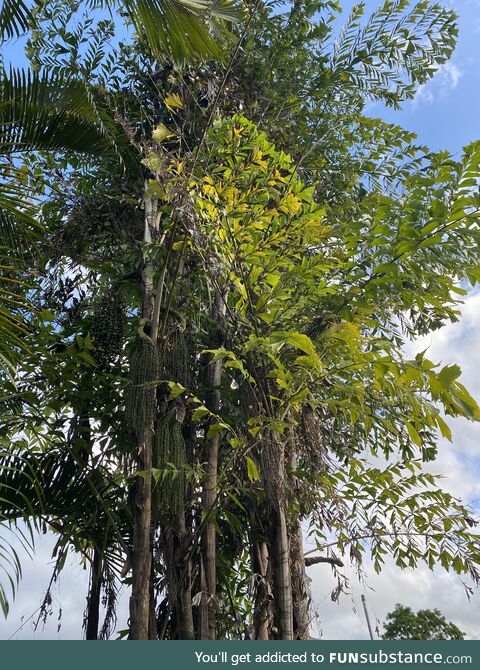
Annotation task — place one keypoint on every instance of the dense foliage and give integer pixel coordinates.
(404, 624)
(221, 262)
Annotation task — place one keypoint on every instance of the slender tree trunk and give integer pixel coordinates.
(272, 459)
(300, 592)
(93, 605)
(142, 541)
(186, 630)
(208, 605)
(185, 614)
(263, 609)
(283, 585)
(152, 626)
(142, 551)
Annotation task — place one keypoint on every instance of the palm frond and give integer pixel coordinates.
(39, 111)
(51, 487)
(180, 28)
(15, 18)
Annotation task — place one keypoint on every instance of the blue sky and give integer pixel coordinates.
(445, 116)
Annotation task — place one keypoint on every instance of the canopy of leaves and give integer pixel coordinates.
(404, 624)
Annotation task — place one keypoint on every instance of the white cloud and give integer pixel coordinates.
(444, 81)
(419, 589)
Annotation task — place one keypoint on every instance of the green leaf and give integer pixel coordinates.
(252, 470)
(216, 428)
(413, 434)
(449, 374)
(444, 428)
(298, 340)
(200, 412)
(176, 390)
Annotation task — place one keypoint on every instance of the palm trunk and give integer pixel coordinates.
(300, 594)
(272, 459)
(209, 537)
(186, 630)
(177, 556)
(93, 605)
(263, 609)
(142, 544)
(185, 614)
(142, 552)
(283, 585)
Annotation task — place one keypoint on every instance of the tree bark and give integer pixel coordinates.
(93, 604)
(142, 551)
(186, 624)
(272, 460)
(186, 630)
(208, 606)
(300, 592)
(263, 609)
(283, 585)
(315, 560)
(142, 529)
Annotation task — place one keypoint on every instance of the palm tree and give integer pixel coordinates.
(39, 112)
(179, 28)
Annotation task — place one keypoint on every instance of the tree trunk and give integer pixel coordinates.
(142, 530)
(208, 605)
(300, 593)
(179, 579)
(263, 609)
(152, 625)
(186, 625)
(142, 551)
(186, 630)
(283, 585)
(93, 604)
(272, 460)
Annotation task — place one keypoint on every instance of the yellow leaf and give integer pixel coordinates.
(173, 100)
(208, 189)
(152, 161)
(212, 210)
(290, 204)
(161, 133)
(258, 159)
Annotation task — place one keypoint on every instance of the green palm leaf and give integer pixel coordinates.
(15, 18)
(41, 111)
(178, 27)
(49, 487)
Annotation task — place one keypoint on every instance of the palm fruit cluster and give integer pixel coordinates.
(140, 398)
(108, 327)
(169, 456)
(176, 358)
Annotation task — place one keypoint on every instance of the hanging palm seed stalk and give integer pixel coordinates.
(140, 399)
(108, 327)
(169, 457)
(176, 356)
